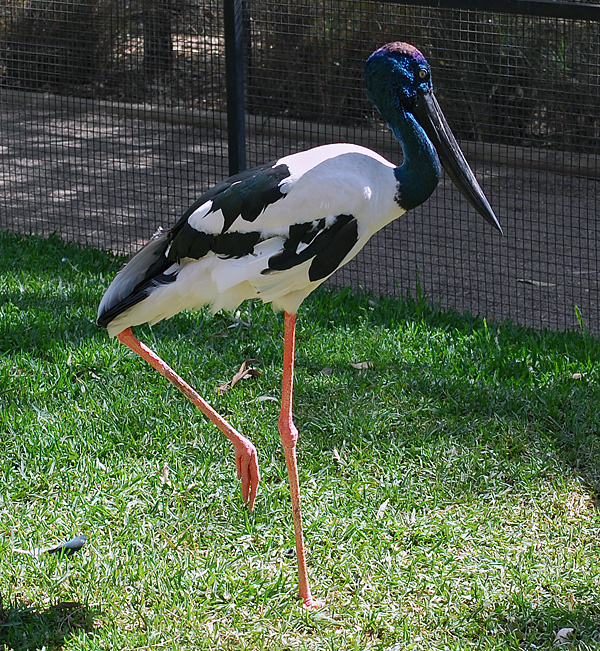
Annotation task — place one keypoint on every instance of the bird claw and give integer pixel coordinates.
(310, 603)
(246, 461)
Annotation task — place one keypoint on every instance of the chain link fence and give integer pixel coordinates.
(113, 120)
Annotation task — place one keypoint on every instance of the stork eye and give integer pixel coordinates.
(423, 73)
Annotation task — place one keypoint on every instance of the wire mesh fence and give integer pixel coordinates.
(113, 122)
(111, 116)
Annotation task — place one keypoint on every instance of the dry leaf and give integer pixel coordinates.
(535, 283)
(336, 455)
(361, 366)
(562, 637)
(244, 372)
(164, 476)
(67, 605)
(166, 538)
(326, 371)
(382, 509)
(266, 399)
(578, 376)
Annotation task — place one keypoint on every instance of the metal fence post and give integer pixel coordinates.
(234, 69)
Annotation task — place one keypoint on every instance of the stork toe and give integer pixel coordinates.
(313, 604)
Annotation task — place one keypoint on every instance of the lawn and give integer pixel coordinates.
(450, 477)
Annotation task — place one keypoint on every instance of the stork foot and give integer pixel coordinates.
(310, 603)
(246, 461)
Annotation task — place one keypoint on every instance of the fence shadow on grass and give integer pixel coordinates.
(563, 408)
(24, 628)
(53, 295)
(543, 626)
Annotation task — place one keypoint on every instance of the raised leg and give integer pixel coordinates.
(289, 437)
(245, 453)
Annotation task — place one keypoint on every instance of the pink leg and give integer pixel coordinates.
(245, 452)
(289, 437)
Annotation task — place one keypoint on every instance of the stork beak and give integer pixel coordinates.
(429, 114)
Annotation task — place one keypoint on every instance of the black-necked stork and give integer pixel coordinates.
(278, 231)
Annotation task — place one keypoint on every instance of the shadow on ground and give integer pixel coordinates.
(25, 628)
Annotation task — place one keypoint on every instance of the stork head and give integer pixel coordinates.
(394, 74)
(398, 81)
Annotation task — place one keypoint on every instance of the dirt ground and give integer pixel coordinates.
(111, 180)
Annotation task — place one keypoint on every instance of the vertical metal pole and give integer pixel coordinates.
(234, 69)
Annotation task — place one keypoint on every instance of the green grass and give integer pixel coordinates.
(450, 489)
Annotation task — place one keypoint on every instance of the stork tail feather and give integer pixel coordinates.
(131, 285)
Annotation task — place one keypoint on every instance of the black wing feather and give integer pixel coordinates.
(326, 245)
